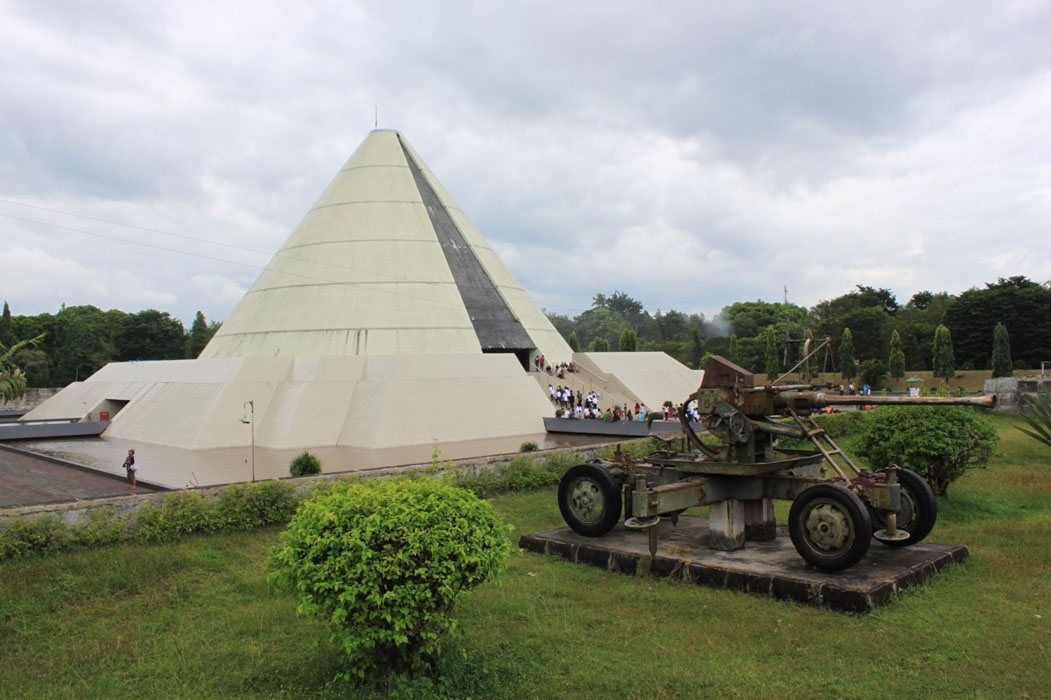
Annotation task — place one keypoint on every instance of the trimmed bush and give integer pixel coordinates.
(304, 464)
(940, 443)
(248, 506)
(383, 562)
(529, 446)
(180, 513)
(844, 424)
(520, 474)
(43, 535)
(846, 428)
(103, 527)
(239, 507)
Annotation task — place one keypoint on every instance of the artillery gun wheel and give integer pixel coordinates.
(918, 510)
(830, 526)
(589, 498)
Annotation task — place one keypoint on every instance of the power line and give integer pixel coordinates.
(182, 236)
(430, 300)
(133, 226)
(126, 240)
(272, 254)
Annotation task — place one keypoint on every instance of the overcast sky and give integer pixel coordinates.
(689, 154)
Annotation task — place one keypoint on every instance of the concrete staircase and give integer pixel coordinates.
(585, 381)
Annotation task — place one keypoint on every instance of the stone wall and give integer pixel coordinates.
(1013, 392)
(29, 401)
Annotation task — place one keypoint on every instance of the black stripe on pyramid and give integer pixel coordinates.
(498, 329)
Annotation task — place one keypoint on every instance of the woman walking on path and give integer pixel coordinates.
(129, 465)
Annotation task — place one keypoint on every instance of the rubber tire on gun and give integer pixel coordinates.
(830, 526)
(919, 509)
(589, 499)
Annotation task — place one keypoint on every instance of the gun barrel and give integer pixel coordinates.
(813, 399)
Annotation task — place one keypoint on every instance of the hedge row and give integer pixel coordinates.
(238, 507)
(249, 506)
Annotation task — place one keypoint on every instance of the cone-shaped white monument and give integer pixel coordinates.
(386, 263)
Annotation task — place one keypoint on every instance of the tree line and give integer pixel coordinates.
(79, 340)
(1002, 326)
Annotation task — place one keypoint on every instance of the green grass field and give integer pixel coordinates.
(197, 619)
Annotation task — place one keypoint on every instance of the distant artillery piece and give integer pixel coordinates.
(832, 515)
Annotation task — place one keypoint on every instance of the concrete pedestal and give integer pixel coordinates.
(759, 522)
(732, 523)
(770, 568)
(726, 525)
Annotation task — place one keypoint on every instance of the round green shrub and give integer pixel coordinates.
(179, 513)
(383, 562)
(304, 464)
(940, 443)
(528, 446)
(841, 425)
(103, 527)
(25, 537)
(248, 506)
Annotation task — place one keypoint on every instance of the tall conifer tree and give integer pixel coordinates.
(942, 355)
(771, 358)
(696, 348)
(7, 331)
(627, 340)
(200, 334)
(1001, 360)
(896, 360)
(734, 351)
(848, 364)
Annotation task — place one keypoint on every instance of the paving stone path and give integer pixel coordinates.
(29, 480)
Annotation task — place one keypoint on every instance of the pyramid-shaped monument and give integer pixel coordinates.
(386, 263)
(385, 331)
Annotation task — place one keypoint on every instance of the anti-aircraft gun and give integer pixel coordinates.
(837, 508)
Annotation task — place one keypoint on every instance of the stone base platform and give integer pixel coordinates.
(771, 568)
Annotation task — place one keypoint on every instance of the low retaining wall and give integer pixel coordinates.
(625, 429)
(596, 427)
(39, 431)
(1013, 392)
(77, 512)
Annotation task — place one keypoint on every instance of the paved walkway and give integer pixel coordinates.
(29, 480)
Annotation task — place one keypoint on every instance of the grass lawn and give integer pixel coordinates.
(197, 619)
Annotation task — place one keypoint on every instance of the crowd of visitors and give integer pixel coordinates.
(576, 404)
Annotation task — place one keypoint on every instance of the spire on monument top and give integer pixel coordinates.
(386, 263)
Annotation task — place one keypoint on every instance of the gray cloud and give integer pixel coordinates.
(689, 155)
